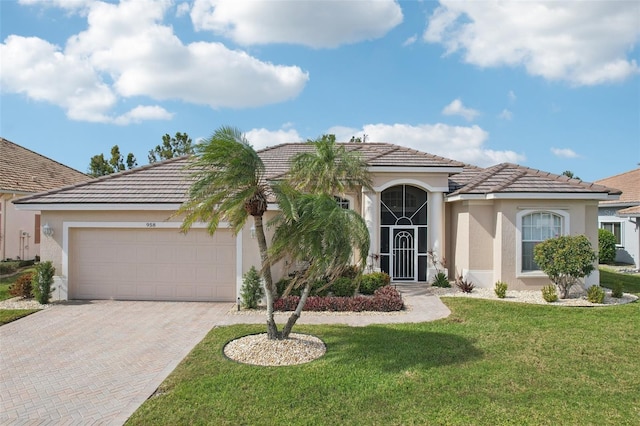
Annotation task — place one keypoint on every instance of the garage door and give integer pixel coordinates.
(151, 264)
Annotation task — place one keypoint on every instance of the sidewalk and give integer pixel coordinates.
(420, 307)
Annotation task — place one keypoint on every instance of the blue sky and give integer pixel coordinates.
(549, 85)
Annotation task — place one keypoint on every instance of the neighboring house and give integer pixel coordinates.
(112, 237)
(622, 216)
(24, 172)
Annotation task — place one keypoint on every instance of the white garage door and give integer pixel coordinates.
(151, 264)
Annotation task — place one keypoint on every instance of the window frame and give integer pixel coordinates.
(613, 223)
(564, 230)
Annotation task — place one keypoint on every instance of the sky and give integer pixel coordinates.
(549, 85)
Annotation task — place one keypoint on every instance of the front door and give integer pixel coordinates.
(403, 254)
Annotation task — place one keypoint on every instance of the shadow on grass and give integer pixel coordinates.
(395, 349)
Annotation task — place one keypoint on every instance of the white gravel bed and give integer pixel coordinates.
(577, 296)
(19, 303)
(257, 349)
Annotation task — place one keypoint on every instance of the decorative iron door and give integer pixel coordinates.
(403, 254)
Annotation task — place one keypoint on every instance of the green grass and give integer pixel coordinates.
(8, 315)
(630, 283)
(5, 282)
(489, 363)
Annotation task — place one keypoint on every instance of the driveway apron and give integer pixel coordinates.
(95, 362)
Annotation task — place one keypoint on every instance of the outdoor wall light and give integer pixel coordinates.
(47, 230)
(253, 231)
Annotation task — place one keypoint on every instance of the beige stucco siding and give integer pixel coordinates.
(17, 230)
(428, 181)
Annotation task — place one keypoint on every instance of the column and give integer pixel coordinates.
(370, 214)
(436, 224)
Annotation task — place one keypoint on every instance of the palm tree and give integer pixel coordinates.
(329, 169)
(229, 185)
(311, 226)
(318, 231)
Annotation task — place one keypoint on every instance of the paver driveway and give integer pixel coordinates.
(95, 362)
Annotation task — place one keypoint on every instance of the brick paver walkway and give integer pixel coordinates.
(96, 362)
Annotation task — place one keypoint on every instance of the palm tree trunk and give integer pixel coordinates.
(270, 291)
(296, 314)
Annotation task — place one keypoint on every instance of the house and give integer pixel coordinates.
(622, 216)
(24, 172)
(112, 237)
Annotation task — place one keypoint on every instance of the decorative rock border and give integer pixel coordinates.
(257, 349)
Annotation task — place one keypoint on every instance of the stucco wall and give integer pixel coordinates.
(12, 243)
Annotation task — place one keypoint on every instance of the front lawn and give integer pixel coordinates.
(489, 363)
(630, 283)
(8, 315)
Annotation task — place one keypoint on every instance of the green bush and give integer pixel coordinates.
(42, 281)
(282, 285)
(343, 287)
(616, 290)
(22, 286)
(23, 263)
(441, 280)
(251, 291)
(351, 271)
(369, 283)
(565, 260)
(595, 294)
(501, 289)
(606, 246)
(8, 267)
(549, 293)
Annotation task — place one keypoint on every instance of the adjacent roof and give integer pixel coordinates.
(628, 183)
(24, 171)
(168, 181)
(629, 212)
(507, 178)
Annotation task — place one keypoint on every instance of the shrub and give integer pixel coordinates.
(616, 290)
(565, 259)
(343, 287)
(441, 280)
(369, 283)
(606, 246)
(22, 286)
(501, 289)
(8, 267)
(351, 271)
(464, 285)
(595, 294)
(549, 293)
(251, 291)
(42, 281)
(23, 263)
(385, 299)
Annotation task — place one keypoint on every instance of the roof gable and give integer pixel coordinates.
(24, 171)
(507, 178)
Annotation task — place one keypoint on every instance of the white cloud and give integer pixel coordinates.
(69, 5)
(505, 114)
(411, 40)
(457, 108)
(584, 43)
(456, 142)
(564, 153)
(512, 96)
(126, 51)
(315, 23)
(143, 113)
(262, 138)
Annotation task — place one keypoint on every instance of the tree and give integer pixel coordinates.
(606, 246)
(99, 166)
(229, 185)
(172, 146)
(570, 175)
(565, 260)
(318, 231)
(312, 227)
(329, 169)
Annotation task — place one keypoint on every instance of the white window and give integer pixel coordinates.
(615, 228)
(342, 202)
(535, 227)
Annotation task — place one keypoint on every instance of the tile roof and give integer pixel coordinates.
(512, 178)
(168, 181)
(22, 170)
(629, 212)
(628, 183)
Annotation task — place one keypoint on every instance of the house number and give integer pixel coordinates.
(151, 224)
